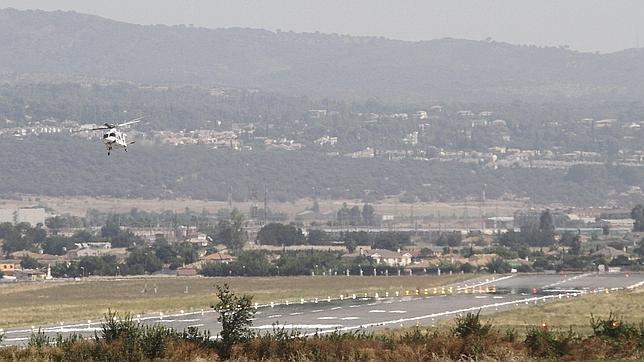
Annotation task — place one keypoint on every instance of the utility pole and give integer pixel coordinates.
(483, 207)
(265, 204)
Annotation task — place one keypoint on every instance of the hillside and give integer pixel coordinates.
(50, 165)
(43, 45)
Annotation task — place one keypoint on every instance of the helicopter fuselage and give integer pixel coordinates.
(114, 139)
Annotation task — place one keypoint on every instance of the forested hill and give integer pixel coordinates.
(51, 165)
(40, 45)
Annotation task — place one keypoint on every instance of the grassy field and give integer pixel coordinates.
(575, 312)
(79, 205)
(42, 303)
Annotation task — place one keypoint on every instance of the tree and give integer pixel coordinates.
(143, 260)
(545, 222)
(498, 265)
(231, 232)
(638, 216)
(28, 262)
(58, 245)
(280, 234)
(640, 250)
(344, 215)
(317, 237)
(355, 216)
(111, 228)
(369, 215)
(316, 206)
(235, 316)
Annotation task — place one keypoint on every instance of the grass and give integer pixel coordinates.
(574, 312)
(53, 302)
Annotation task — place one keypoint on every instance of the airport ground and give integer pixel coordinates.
(391, 206)
(521, 299)
(36, 303)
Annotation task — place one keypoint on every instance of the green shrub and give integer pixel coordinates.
(543, 343)
(470, 325)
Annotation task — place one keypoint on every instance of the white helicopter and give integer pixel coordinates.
(113, 138)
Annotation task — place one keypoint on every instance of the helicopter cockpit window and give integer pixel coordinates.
(105, 135)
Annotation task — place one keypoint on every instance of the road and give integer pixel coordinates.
(422, 307)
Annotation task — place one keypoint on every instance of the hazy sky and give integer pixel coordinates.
(587, 25)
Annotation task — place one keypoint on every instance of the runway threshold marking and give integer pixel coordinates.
(566, 280)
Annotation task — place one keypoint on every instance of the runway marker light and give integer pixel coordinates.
(272, 304)
(328, 298)
(301, 300)
(614, 324)
(341, 297)
(353, 296)
(387, 294)
(181, 311)
(397, 293)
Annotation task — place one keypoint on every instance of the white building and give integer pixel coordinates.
(388, 257)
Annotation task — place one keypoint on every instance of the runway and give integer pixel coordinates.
(353, 312)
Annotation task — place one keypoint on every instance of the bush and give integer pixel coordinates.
(543, 343)
(470, 325)
(475, 336)
(621, 338)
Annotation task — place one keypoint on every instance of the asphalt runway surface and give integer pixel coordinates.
(409, 308)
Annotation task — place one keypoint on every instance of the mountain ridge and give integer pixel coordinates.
(312, 64)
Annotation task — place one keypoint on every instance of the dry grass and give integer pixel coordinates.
(78, 205)
(53, 302)
(575, 312)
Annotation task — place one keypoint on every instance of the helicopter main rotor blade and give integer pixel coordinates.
(91, 129)
(135, 120)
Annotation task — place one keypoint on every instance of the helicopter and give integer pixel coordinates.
(112, 137)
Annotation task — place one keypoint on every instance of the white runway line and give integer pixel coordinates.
(377, 311)
(636, 285)
(298, 326)
(296, 313)
(349, 318)
(398, 311)
(327, 318)
(566, 280)
(486, 282)
(433, 315)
